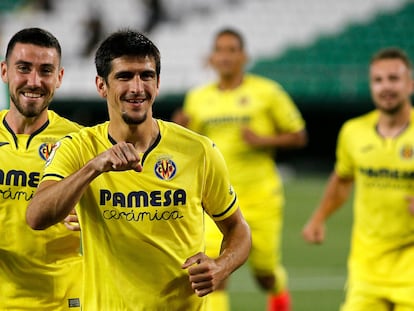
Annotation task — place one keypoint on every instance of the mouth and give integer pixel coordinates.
(387, 96)
(135, 101)
(32, 95)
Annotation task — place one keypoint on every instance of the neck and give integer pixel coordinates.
(230, 82)
(24, 125)
(142, 136)
(393, 125)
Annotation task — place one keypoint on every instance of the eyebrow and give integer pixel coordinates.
(22, 62)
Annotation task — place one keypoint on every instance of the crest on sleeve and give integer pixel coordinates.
(45, 150)
(165, 168)
(52, 153)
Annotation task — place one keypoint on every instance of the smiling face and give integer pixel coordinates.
(33, 73)
(391, 84)
(131, 88)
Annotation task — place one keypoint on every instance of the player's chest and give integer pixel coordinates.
(166, 178)
(383, 152)
(233, 103)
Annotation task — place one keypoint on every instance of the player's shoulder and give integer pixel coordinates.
(56, 120)
(181, 134)
(363, 121)
(262, 81)
(90, 133)
(263, 85)
(98, 130)
(4, 132)
(3, 114)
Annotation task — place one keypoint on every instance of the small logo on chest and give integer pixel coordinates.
(165, 169)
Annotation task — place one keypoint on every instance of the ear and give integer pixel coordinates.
(101, 86)
(158, 85)
(60, 77)
(4, 72)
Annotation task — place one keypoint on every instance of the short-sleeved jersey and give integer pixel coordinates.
(37, 268)
(140, 227)
(259, 104)
(382, 247)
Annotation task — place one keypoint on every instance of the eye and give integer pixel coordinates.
(148, 75)
(23, 68)
(46, 71)
(123, 76)
(394, 78)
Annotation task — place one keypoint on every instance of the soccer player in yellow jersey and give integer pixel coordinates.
(248, 117)
(38, 270)
(375, 153)
(145, 188)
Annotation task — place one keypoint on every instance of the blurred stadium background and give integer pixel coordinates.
(317, 49)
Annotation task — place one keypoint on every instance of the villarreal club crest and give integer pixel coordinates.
(165, 169)
(45, 150)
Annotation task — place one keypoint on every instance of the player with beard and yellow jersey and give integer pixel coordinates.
(38, 270)
(248, 117)
(375, 153)
(144, 187)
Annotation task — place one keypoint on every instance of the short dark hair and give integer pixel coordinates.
(233, 32)
(392, 53)
(125, 43)
(36, 36)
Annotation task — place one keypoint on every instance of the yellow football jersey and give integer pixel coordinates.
(139, 227)
(259, 104)
(39, 270)
(382, 248)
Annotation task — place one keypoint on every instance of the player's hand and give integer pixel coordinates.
(72, 222)
(204, 274)
(251, 138)
(410, 200)
(314, 232)
(121, 157)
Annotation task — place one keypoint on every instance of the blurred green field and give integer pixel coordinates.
(316, 272)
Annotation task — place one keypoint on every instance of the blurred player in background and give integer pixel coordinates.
(248, 117)
(375, 153)
(38, 270)
(144, 186)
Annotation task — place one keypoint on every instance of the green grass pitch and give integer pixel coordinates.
(317, 273)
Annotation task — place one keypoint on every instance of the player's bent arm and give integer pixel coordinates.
(336, 193)
(236, 243)
(54, 200)
(282, 140)
(206, 274)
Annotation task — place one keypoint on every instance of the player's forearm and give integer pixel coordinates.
(54, 200)
(235, 246)
(289, 140)
(337, 192)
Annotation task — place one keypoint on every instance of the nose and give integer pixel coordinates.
(33, 79)
(137, 84)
